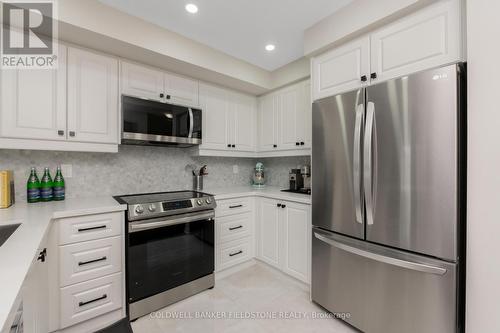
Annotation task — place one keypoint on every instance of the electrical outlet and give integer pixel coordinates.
(235, 169)
(67, 170)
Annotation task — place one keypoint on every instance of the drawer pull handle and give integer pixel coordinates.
(92, 228)
(94, 300)
(81, 263)
(234, 228)
(235, 206)
(235, 254)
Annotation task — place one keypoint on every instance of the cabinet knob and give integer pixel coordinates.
(275, 146)
(297, 143)
(72, 133)
(60, 132)
(278, 205)
(302, 143)
(228, 146)
(373, 76)
(162, 95)
(364, 78)
(234, 146)
(42, 255)
(283, 206)
(168, 96)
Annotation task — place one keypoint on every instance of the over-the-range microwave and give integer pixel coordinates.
(148, 122)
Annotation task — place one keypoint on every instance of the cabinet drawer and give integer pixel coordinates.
(90, 227)
(89, 260)
(233, 206)
(234, 227)
(235, 252)
(90, 299)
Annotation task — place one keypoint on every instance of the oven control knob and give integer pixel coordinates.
(199, 202)
(208, 201)
(151, 208)
(139, 209)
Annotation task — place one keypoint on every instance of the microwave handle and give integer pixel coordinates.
(191, 123)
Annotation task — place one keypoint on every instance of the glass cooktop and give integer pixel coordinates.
(134, 199)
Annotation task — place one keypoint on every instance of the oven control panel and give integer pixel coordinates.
(166, 208)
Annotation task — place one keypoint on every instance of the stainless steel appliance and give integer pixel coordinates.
(170, 248)
(388, 203)
(295, 180)
(305, 173)
(147, 122)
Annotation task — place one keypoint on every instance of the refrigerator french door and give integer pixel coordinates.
(386, 194)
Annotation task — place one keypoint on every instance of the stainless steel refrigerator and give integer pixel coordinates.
(388, 206)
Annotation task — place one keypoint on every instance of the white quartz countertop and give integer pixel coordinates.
(268, 192)
(19, 251)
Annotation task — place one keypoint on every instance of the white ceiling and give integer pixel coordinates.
(240, 28)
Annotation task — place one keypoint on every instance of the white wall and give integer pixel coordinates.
(93, 16)
(483, 232)
(354, 19)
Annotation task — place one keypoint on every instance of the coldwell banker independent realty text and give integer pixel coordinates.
(29, 34)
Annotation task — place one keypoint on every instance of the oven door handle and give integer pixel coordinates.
(164, 222)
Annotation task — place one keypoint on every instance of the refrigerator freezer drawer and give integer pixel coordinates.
(383, 290)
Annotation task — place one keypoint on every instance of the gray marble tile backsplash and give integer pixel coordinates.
(138, 169)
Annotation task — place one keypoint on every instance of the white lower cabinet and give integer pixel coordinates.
(284, 233)
(86, 272)
(275, 231)
(234, 232)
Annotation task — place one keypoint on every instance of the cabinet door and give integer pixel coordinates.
(268, 131)
(297, 235)
(33, 102)
(341, 69)
(269, 232)
(92, 97)
(214, 105)
(426, 39)
(35, 293)
(181, 90)
(304, 123)
(288, 117)
(243, 110)
(140, 81)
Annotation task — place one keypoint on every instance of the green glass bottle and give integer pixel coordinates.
(59, 189)
(33, 187)
(46, 193)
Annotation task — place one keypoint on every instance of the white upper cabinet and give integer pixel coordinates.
(229, 120)
(33, 102)
(145, 82)
(429, 38)
(284, 119)
(341, 69)
(181, 90)
(92, 97)
(268, 123)
(242, 124)
(215, 117)
(141, 81)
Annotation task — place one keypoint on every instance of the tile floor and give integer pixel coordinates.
(259, 291)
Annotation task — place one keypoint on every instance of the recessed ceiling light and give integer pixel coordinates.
(270, 47)
(192, 8)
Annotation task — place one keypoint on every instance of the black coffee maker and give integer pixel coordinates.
(296, 180)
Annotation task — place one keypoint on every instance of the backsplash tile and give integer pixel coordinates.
(138, 169)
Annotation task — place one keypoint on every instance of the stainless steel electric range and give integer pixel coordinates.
(170, 248)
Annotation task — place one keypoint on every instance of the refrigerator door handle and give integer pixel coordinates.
(356, 165)
(368, 162)
(415, 266)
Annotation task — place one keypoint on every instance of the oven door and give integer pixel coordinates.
(169, 252)
(146, 121)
